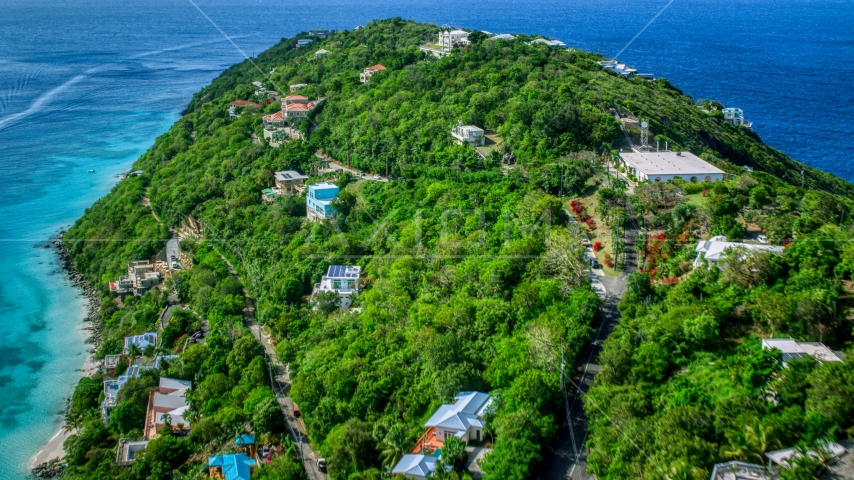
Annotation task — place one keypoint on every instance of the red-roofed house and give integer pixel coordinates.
(274, 120)
(292, 99)
(297, 110)
(366, 75)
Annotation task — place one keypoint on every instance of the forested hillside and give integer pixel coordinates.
(472, 275)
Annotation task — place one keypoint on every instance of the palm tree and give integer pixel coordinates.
(749, 444)
(133, 352)
(395, 444)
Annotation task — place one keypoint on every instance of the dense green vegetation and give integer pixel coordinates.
(685, 383)
(472, 280)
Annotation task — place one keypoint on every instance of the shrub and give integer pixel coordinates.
(597, 246)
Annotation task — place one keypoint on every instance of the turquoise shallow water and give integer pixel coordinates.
(89, 84)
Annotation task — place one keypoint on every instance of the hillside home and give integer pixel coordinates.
(320, 52)
(290, 182)
(304, 42)
(319, 201)
(365, 76)
(463, 419)
(735, 116)
(449, 40)
(112, 388)
(296, 106)
(468, 134)
(793, 350)
(295, 87)
(236, 466)
(503, 36)
(713, 248)
(167, 404)
(342, 279)
(274, 120)
(238, 105)
(141, 341)
(142, 276)
(664, 166)
(319, 33)
(741, 471)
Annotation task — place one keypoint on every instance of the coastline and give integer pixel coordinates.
(52, 451)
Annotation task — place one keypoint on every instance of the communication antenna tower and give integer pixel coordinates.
(645, 135)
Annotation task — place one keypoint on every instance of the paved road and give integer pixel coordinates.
(569, 455)
(171, 251)
(281, 386)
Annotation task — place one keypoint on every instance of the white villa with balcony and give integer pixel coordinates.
(342, 279)
(735, 116)
(468, 134)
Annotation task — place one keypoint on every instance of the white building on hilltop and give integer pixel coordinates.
(449, 40)
(468, 134)
(664, 166)
(713, 248)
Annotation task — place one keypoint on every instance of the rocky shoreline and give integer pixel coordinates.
(89, 291)
(56, 467)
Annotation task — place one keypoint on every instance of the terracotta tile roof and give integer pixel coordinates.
(295, 97)
(299, 106)
(375, 68)
(275, 117)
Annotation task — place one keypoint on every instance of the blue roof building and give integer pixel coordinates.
(319, 201)
(236, 466)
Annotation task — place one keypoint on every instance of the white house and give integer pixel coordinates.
(503, 36)
(304, 42)
(795, 350)
(735, 116)
(462, 419)
(342, 279)
(416, 466)
(449, 40)
(713, 248)
(297, 86)
(320, 52)
(664, 166)
(112, 388)
(141, 341)
(468, 134)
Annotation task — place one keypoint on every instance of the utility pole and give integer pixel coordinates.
(386, 167)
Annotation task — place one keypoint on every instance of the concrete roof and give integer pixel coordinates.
(795, 350)
(290, 175)
(175, 384)
(785, 456)
(669, 163)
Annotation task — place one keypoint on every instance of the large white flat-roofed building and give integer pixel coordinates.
(664, 166)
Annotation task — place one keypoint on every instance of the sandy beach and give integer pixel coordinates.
(53, 448)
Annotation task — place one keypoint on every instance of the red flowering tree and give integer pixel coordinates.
(597, 246)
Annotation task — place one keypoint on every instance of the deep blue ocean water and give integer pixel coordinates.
(89, 84)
